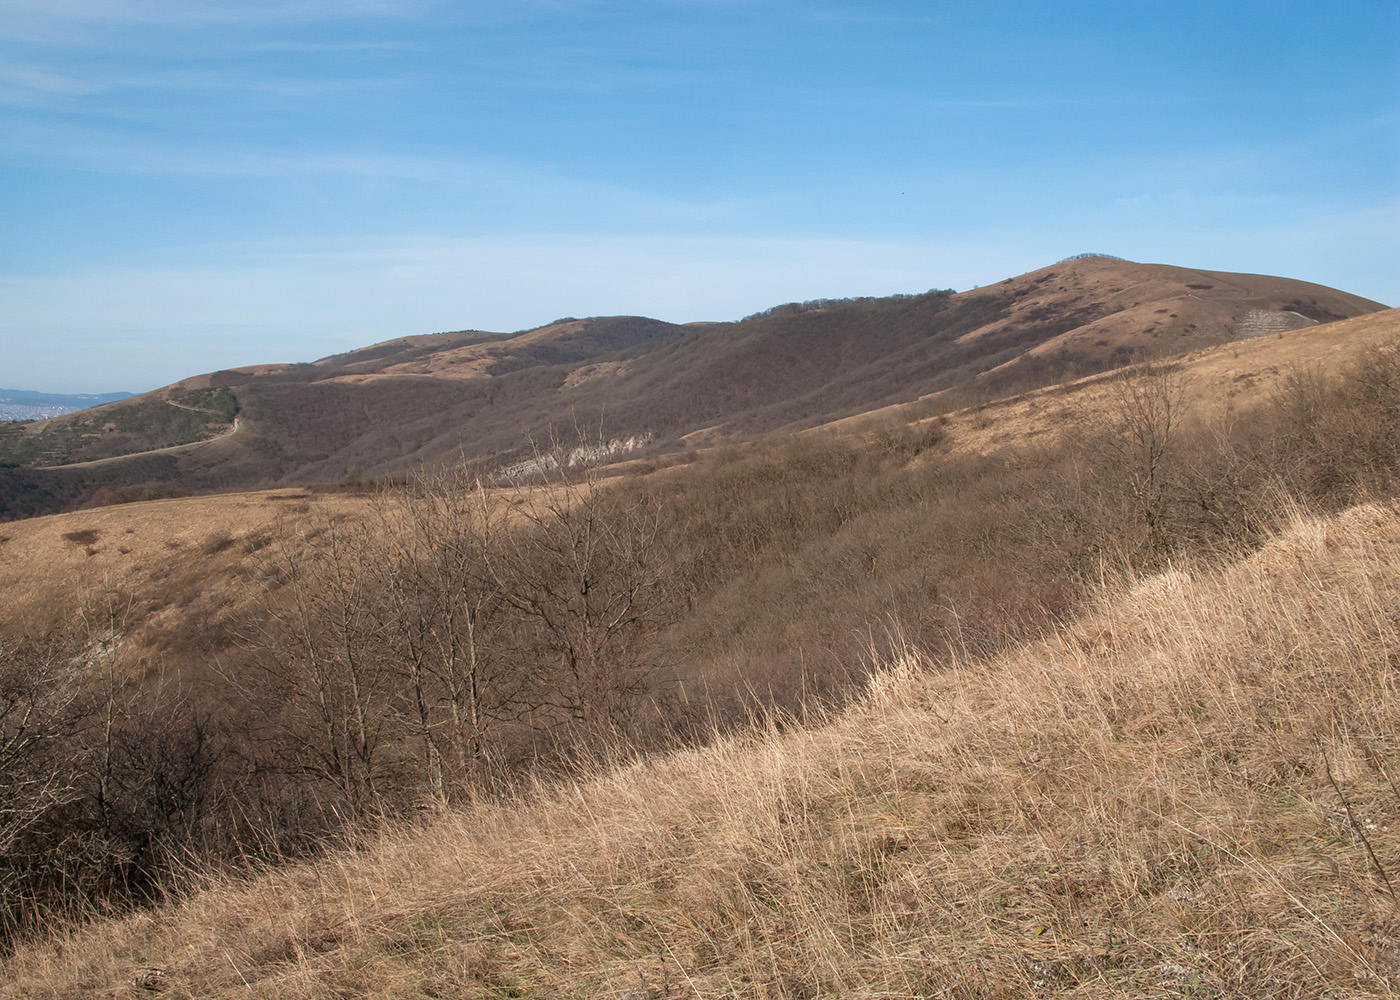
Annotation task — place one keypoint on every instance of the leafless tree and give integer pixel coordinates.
(449, 626)
(1148, 401)
(39, 694)
(584, 567)
(324, 679)
(412, 653)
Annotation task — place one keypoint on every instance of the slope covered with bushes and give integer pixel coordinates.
(1190, 792)
(389, 408)
(248, 680)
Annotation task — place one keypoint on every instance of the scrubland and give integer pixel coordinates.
(909, 707)
(1190, 792)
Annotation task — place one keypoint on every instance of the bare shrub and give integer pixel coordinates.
(218, 542)
(1341, 433)
(1148, 404)
(324, 685)
(451, 629)
(104, 788)
(38, 712)
(583, 567)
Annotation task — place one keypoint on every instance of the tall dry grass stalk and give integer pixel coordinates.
(1193, 792)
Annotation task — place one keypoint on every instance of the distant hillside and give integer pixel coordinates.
(152, 421)
(844, 509)
(24, 404)
(393, 406)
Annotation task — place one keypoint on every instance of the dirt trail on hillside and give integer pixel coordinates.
(94, 462)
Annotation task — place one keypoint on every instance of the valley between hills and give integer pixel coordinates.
(1034, 640)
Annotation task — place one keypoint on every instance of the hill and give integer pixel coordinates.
(1189, 793)
(191, 560)
(230, 682)
(392, 407)
(216, 540)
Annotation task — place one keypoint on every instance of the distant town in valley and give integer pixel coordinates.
(25, 404)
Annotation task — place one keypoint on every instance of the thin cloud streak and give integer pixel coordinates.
(190, 12)
(44, 82)
(488, 178)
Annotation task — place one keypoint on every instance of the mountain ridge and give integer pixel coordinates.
(387, 408)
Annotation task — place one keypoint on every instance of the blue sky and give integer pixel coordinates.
(187, 185)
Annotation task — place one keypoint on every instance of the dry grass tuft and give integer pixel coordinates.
(1190, 793)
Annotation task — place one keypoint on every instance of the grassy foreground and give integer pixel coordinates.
(1195, 791)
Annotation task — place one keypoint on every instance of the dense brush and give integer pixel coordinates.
(1191, 792)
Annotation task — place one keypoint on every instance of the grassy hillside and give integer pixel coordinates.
(983, 521)
(895, 458)
(236, 680)
(1191, 792)
(238, 683)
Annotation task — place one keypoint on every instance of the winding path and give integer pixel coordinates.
(90, 463)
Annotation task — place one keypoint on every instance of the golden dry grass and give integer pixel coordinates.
(179, 570)
(466, 361)
(1220, 382)
(183, 560)
(1190, 793)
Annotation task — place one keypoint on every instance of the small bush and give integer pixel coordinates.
(216, 543)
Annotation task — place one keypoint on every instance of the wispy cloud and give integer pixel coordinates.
(866, 15)
(1182, 199)
(499, 187)
(305, 48)
(67, 22)
(85, 23)
(26, 87)
(43, 82)
(195, 11)
(81, 147)
(1043, 102)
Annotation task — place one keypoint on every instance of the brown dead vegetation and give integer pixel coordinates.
(387, 409)
(1190, 793)
(771, 577)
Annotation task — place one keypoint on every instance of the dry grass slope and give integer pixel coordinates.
(1224, 381)
(166, 551)
(1192, 792)
(184, 563)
